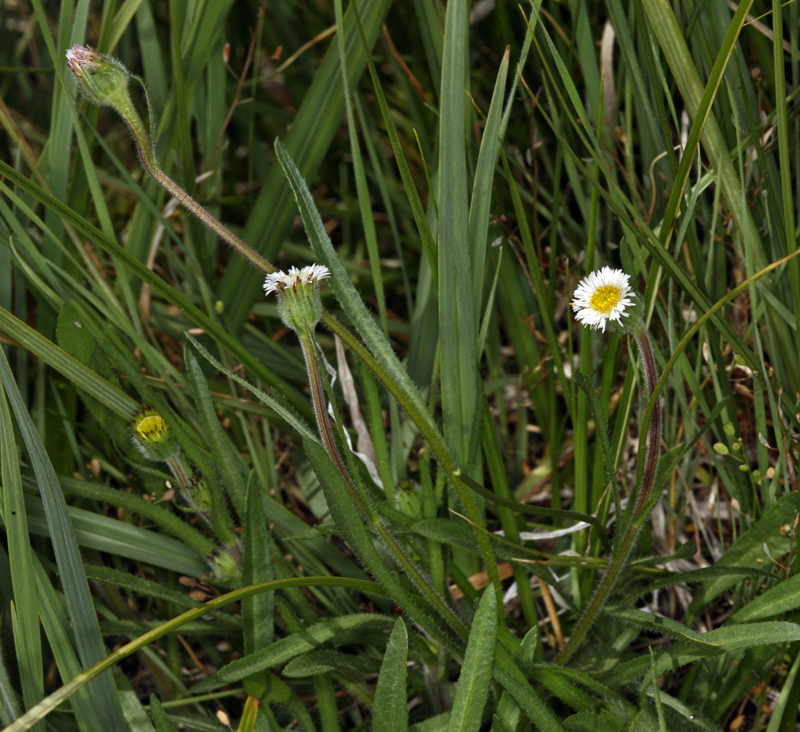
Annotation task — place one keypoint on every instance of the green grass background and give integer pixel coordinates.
(465, 189)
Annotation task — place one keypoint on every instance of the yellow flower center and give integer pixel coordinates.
(151, 427)
(606, 299)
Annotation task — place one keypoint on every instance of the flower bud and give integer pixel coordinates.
(101, 79)
(152, 436)
(409, 500)
(200, 494)
(225, 566)
(298, 296)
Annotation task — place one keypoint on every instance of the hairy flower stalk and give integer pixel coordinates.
(104, 80)
(300, 309)
(605, 297)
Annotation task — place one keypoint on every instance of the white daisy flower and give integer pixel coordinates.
(602, 296)
(298, 296)
(279, 281)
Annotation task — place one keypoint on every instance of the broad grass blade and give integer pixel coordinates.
(457, 330)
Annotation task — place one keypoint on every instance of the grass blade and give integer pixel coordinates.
(24, 609)
(76, 590)
(313, 128)
(456, 310)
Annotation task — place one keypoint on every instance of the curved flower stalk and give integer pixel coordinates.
(604, 298)
(300, 309)
(104, 80)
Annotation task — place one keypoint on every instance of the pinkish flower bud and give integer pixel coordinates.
(102, 79)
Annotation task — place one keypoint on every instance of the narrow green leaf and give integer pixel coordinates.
(321, 662)
(48, 704)
(663, 475)
(685, 551)
(677, 52)
(95, 531)
(311, 133)
(271, 401)
(782, 705)
(365, 206)
(57, 628)
(258, 611)
(779, 598)
(209, 325)
(390, 712)
(456, 310)
(9, 702)
(729, 638)
(80, 375)
(162, 721)
(409, 184)
(353, 527)
(65, 547)
(728, 574)
(24, 610)
(482, 185)
(658, 624)
(476, 671)
(532, 510)
(230, 467)
(517, 685)
(148, 588)
(349, 298)
(286, 649)
(601, 431)
(132, 708)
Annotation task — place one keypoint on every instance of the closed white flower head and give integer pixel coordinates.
(602, 296)
(279, 281)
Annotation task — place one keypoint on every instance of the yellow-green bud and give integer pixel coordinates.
(200, 494)
(225, 566)
(298, 295)
(102, 79)
(152, 436)
(409, 500)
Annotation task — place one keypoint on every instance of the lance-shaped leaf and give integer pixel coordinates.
(476, 672)
(390, 713)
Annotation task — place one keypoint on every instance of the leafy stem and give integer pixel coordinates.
(362, 502)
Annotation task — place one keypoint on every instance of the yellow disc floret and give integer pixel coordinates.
(605, 299)
(150, 426)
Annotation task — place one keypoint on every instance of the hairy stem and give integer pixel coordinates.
(654, 428)
(624, 547)
(364, 507)
(128, 112)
